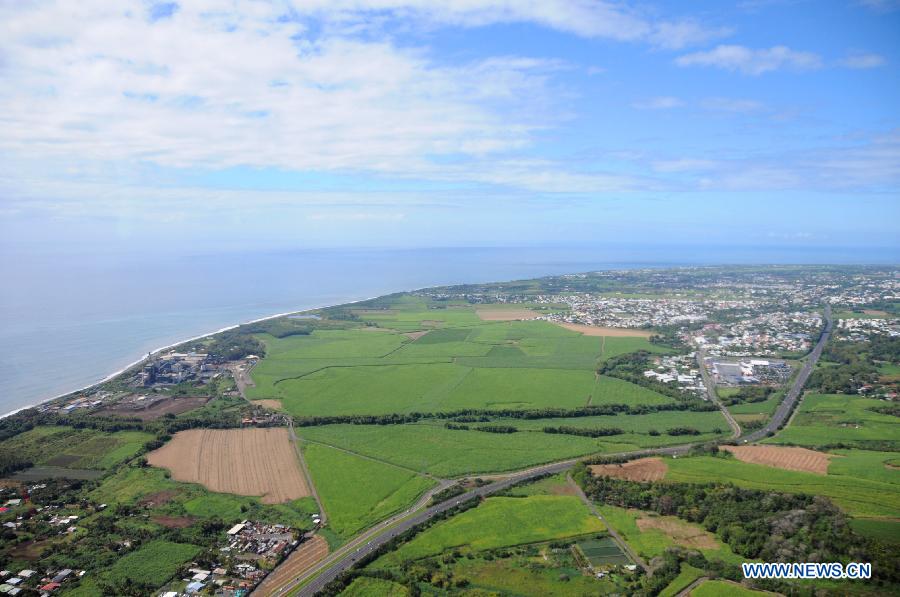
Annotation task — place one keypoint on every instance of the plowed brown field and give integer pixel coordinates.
(303, 558)
(642, 469)
(505, 314)
(594, 330)
(788, 458)
(259, 462)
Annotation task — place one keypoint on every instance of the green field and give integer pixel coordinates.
(153, 563)
(76, 448)
(430, 447)
(357, 492)
(829, 419)
(887, 531)
(499, 522)
(861, 485)
(461, 362)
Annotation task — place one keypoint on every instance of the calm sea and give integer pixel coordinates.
(69, 321)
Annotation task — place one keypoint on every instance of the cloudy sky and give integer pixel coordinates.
(316, 123)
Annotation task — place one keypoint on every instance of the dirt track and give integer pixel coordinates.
(642, 469)
(784, 457)
(259, 462)
(303, 558)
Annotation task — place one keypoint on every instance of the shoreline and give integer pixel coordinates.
(174, 344)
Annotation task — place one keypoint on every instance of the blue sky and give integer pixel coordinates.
(268, 125)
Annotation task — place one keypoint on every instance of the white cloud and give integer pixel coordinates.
(730, 104)
(356, 216)
(99, 81)
(586, 18)
(658, 103)
(863, 61)
(684, 165)
(751, 61)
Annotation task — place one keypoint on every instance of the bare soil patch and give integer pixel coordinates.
(787, 458)
(174, 522)
(259, 461)
(302, 559)
(432, 323)
(155, 408)
(269, 403)
(30, 550)
(159, 498)
(505, 313)
(876, 312)
(594, 330)
(416, 335)
(642, 469)
(681, 532)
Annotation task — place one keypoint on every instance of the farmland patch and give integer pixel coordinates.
(592, 330)
(505, 313)
(642, 469)
(787, 458)
(259, 462)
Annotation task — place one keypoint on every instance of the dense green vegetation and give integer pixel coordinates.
(856, 364)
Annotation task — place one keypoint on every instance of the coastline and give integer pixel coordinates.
(174, 344)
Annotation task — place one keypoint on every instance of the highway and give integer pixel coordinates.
(331, 568)
(790, 400)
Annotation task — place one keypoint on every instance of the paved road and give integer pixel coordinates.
(330, 570)
(714, 396)
(790, 400)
